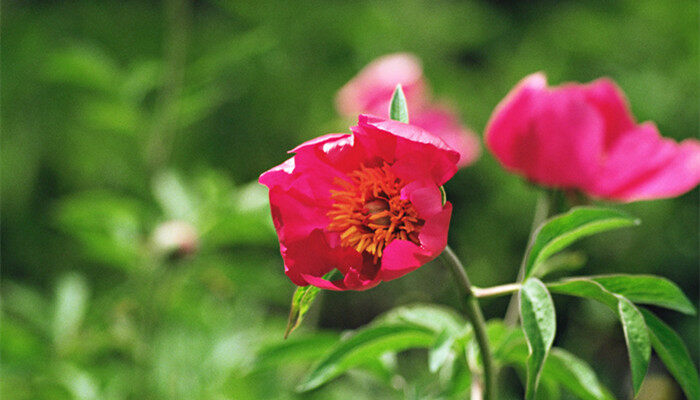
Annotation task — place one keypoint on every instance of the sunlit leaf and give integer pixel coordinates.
(142, 78)
(548, 389)
(562, 262)
(637, 338)
(107, 226)
(648, 289)
(645, 289)
(366, 344)
(405, 327)
(575, 375)
(460, 378)
(433, 317)
(194, 107)
(584, 287)
(563, 230)
(439, 353)
(299, 349)
(83, 66)
(633, 325)
(111, 115)
(174, 196)
(539, 326)
(562, 367)
(671, 350)
(70, 306)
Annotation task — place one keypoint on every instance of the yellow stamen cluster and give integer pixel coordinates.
(369, 213)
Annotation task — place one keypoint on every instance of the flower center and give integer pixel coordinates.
(369, 212)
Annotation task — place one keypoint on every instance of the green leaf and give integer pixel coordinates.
(437, 319)
(584, 287)
(296, 350)
(447, 325)
(561, 231)
(507, 342)
(548, 390)
(174, 196)
(633, 325)
(539, 325)
(637, 338)
(510, 348)
(575, 375)
(648, 289)
(366, 344)
(109, 227)
(71, 304)
(382, 368)
(83, 66)
(398, 109)
(671, 350)
(303, 297)
(439, 353)
(459, 381)
(405, 327)
(563, 262)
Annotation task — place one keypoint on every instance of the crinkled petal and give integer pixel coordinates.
(321, 140)
(643, 165)
(433, 236)
(402, 256)
(362, 275)
(315, 256)
(413, 153)
(280, 175)
(337, 152)
(424, 196)
(295, 216)
(371, 90)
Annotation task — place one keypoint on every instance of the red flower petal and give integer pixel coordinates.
(584, 137)
(643, 165)
(301, 200)
(414, 153)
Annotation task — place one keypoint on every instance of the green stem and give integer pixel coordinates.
(542, 211)
(475, 316)
(500, 290)
(164, 124)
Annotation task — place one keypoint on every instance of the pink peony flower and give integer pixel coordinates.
(583, 137)
(371, 91)
(367, 204)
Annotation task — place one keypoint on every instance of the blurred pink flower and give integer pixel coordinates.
(367, 204)
(371, 91)
(583, 136)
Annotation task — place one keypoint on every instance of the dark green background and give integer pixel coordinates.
(117, 116)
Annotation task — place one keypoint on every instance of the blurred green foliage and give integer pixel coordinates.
(118, 117)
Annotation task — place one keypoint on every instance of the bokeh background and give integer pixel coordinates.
(118, 116)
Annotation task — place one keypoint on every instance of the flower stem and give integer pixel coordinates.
(542, 210)
(475, 316)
